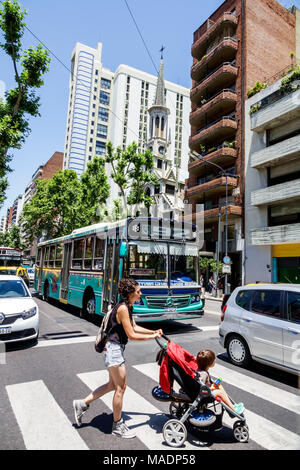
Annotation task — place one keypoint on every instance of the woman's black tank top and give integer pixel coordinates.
(116, 330)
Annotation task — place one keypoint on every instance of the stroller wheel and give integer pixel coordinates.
(241, 431)
(174, 432)
(176, 409)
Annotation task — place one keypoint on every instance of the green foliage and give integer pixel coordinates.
(257, 88)
(210, 264)
(132, 171)
(64, 203)
(12, 238)
(287, 83)
(20, 102)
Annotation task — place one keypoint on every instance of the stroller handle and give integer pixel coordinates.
(159, 343)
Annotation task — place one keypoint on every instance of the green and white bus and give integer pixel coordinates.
(83, 269)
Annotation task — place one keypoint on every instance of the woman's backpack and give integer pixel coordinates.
(104, 330)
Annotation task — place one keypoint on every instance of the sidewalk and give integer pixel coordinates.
(212, 297)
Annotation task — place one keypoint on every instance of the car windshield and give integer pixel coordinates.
(8, 271)
(12, 288)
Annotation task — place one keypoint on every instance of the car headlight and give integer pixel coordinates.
(29, 313)
(195, 299)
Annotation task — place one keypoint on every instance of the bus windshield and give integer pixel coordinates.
(147, 260)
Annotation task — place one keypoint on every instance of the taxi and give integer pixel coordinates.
(15, 271)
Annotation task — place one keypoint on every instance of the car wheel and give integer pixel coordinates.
(238, 351)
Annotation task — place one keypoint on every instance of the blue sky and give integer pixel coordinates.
(59, 24)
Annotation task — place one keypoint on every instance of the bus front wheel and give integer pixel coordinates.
(46, 292)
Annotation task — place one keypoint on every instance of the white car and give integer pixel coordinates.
(30, 272)
(262, 322)
(19, 313)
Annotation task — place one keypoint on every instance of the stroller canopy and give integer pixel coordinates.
(182, 358)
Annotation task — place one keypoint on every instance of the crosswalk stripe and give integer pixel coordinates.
(258, 388)
(43, 424)
(266, 433)
(64, 341)
(145, 419)
(208, 328)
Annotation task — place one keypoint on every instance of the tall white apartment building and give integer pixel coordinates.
(107, 106)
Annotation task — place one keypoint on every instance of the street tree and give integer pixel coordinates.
(132, 172)
(20, 102)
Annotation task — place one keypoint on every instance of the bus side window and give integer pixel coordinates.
(78, 253)
(38, 258)
(88, 254)
(99, 254)
(46, 255)
(52, 256)
(58, 257)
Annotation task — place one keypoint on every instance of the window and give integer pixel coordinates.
(103, 114)
(46, 256)
(100, 148)
(89, 245)
(58, 258)
(293, 302)
(104, 97)
(101, 131)
(105, 83)
(170, 189)
(52, 256)
(266, 302)
(159, 163)
(243, 299)
(99, 254)
(77, 253)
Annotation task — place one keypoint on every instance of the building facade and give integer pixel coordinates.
(272, 196)
(236, 47)
(106, 106)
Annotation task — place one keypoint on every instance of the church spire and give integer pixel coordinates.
(160, 89)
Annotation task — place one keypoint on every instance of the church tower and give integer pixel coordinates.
(166, 197)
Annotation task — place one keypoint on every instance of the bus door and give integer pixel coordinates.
(40, 264)
(111, 274)
(65, 272)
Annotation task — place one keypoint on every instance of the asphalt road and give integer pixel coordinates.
(39, 381)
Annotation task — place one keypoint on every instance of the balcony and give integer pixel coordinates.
(212, 29)
(211, 188)
(223, 76)
(222, 155)
(276, 114)
(284, 192)
(277, 154)
(221, 103)
(275, 235)
(212, 215)
(225, 51)
(221, 129)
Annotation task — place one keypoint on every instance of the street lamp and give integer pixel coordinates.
(224, 173)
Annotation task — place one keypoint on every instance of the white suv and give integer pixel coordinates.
(262, 321)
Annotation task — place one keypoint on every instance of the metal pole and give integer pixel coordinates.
(226, 236)
(218, 247)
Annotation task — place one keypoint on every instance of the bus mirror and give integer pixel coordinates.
(123, 249)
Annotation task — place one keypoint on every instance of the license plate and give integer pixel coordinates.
(5, 329)
(170, 310)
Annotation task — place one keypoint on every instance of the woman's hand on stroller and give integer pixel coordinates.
(158, 333)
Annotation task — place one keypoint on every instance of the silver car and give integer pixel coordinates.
(262, 322)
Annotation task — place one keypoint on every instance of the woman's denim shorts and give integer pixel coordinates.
(113, 354)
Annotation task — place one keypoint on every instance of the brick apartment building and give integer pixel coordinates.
(242, 42)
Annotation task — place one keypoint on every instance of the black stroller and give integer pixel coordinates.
(194, 402)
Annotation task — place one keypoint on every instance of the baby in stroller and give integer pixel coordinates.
(195, 402)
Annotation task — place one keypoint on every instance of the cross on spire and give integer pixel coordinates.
(161, 51)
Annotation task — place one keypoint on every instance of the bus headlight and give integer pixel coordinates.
(195, 299)
(140, 302)
(29, 313)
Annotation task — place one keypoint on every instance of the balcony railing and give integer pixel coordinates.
(226, 42)
(228, 95)
(212, 27)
